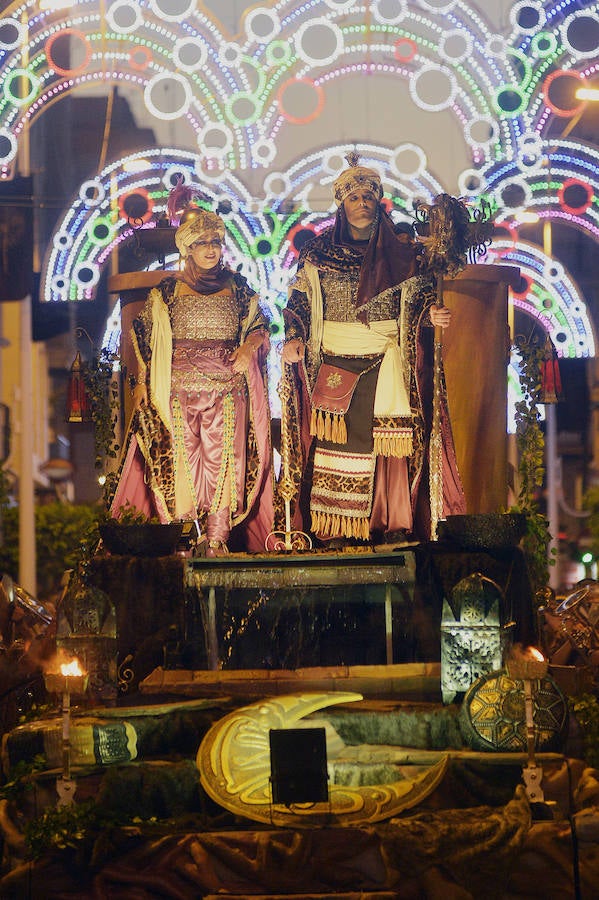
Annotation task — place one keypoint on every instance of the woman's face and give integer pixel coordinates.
(206, 251)
(360, 209)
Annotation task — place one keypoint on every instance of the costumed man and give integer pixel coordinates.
(199, 445)
(359, 327)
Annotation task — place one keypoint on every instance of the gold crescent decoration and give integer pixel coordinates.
(234, 764)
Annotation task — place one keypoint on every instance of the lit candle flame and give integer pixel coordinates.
(536, 654)
(72, 668)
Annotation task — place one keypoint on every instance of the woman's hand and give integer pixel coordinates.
(293, 351)
(140, 395)
(241, 357)
(440, 316)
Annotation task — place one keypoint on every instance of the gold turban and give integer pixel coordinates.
(196, 224)
(356, 178)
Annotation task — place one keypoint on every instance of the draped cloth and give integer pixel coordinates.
(377, 482)
(205, 428)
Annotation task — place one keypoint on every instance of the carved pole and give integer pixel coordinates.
(436, 442)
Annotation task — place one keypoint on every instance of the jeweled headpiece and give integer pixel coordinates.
(195, 225)
(356, 178)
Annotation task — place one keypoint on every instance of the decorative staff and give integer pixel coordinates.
(287, 540)
(449, 235)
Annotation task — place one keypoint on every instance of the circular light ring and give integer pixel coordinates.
(164, 10)
(264, 151)
(588, 23)
(86, 274)
(496, 46)
(425, 72)
(510, 100)
(583, 207)
(278, 53)
(553, 76)
(408, 150)
(140, 58)
(243, 99)
(71, 34)
(221, 198)
(457, 36)
(59, 285)
(271, 188)
(333, 32)
(196, 47)
(92, 192)
(19, 28)
(161, 79)
(214, 129)
(268, 16)
(318, 91)
(174, 174)
(392, 18)
(526, 284)
(20, 75)
(543, 44)
(230, 55)
(131, 199)
(8, 137)
(405, 49)
(537, 16)
(482, 122)
(333, 161)
(132, 17)
(100, 231)
(553, 271)
(62, 240)
(263, 247)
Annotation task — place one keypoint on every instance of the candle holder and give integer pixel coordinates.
(70, 679)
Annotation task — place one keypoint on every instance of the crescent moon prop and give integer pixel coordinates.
(234, 765)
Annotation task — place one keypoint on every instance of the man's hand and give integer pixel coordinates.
(293, 351)
(440, 316)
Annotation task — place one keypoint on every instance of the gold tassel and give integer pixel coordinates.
(393, 445)
(335, 429)
(313, 420)
(342, 430)
(320, 425)
(327, 426)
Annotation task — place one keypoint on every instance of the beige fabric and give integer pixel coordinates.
(201, 223)
(161, 346)
(356, 339)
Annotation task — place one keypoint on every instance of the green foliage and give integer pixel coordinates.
(530, 444)
(586, 710)
(103, 394)
(75, 827)
(62, 532)
(19, 777)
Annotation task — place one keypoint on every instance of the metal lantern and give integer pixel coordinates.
(472, 634)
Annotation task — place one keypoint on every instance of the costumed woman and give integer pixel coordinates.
(199, 444)
(359, 328)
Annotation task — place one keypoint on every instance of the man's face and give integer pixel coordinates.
(206, 251)
(360, 209)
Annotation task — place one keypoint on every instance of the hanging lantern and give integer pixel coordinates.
(551, 383)
(78, 406)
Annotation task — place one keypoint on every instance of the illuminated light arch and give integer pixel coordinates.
(566, 318)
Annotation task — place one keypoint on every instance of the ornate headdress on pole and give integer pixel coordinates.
(356, 178)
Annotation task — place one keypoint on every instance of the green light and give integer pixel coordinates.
(586, 558)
